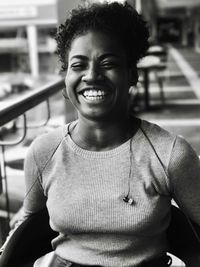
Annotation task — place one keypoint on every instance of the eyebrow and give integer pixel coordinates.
(79, 57)
(108, 55)
(82, 57)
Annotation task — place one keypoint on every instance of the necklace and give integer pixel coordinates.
(127, 197)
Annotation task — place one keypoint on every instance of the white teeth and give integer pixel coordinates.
(94, 97)
(90, 93)
(93, 93)
(100, 93)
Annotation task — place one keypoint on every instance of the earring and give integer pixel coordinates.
(64, 94)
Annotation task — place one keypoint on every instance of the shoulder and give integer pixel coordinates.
(172, 155)
(183, 155)
(168, 146)
(156, 131)
(48, 141)
(182, 147)
(157, 144)
(158, 138)
(44, 146)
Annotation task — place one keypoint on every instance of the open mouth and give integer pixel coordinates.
(94, 94)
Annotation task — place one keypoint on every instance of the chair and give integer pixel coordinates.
(184, 238)
(31, 240)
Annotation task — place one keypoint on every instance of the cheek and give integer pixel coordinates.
(122, 82)
(120, 77)
(70, 82)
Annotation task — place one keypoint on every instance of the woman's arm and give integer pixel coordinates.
(34, 199)
(184, 175)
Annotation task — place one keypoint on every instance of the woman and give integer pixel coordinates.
(108, 178)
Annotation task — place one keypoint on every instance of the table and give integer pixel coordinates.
(157, 50)
(145, 66)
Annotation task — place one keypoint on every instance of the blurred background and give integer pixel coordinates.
(31, 103)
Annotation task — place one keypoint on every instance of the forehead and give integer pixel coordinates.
(94, 43)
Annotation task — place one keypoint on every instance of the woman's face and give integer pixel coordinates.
(98, 77)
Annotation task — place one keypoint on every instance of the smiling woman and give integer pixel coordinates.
(107, 179)
(98, 78)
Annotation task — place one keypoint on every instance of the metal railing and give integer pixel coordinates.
(12, 111)
(29, 100)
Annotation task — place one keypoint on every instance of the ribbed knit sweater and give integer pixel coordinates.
(84, 192)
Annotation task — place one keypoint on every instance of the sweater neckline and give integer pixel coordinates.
(123, 148)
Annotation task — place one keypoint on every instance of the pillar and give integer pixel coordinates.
(184, 38)
(33, 50)
(197, 34)
(138, 6)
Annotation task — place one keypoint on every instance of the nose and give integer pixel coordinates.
(92, 74)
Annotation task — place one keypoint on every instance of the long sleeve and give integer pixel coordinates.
(38, 154)
(34, 199)
(184, 174)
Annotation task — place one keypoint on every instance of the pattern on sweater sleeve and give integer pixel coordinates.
(34, 199)
(39, 154)
(184, 175)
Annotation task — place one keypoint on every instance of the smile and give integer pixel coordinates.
(93, 94)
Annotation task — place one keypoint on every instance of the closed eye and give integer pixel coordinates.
(109, 65)
(77, 66)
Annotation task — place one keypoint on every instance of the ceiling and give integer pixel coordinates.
(168, 4)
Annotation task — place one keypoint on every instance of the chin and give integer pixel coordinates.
(97, 116)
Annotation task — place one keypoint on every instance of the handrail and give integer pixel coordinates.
(29, 100)
(16, 108)
(41, 124)
(19, 140)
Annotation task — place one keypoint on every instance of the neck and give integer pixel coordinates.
(103, 135)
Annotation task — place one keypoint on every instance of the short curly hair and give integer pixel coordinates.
(120, 20)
